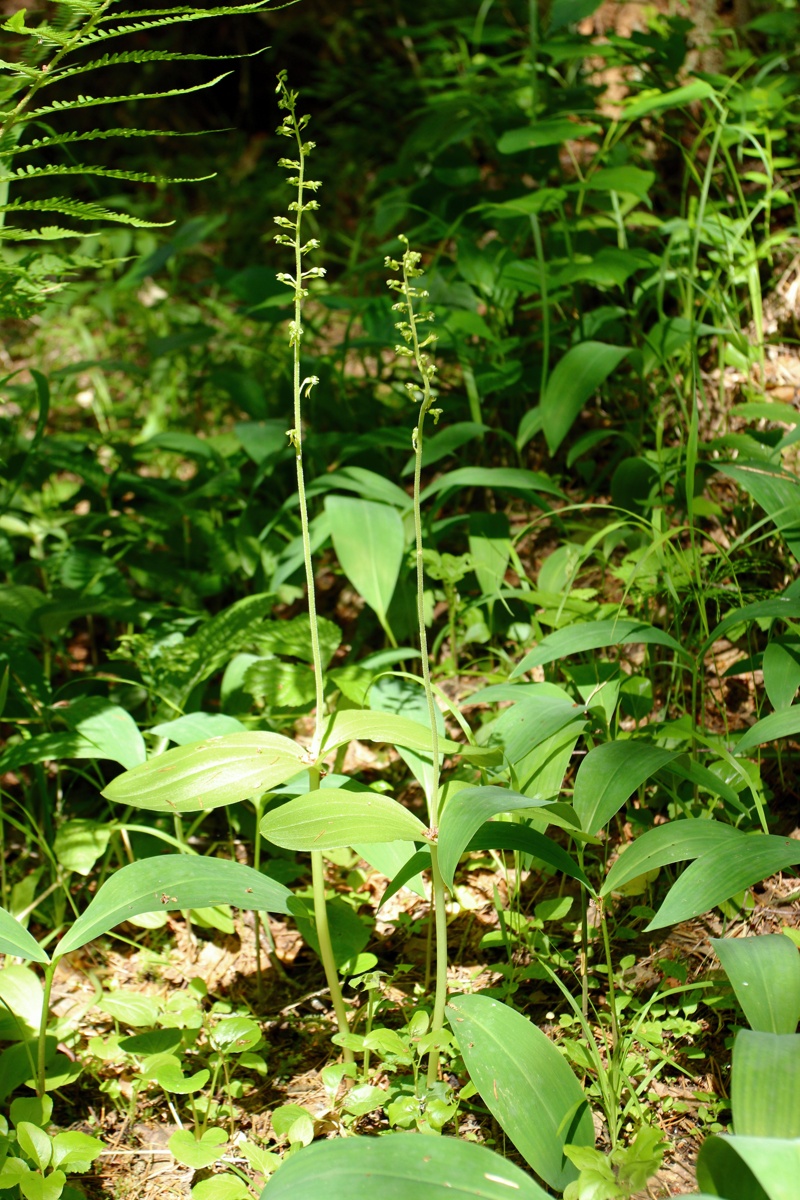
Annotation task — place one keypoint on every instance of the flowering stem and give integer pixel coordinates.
(414, 350)
(292, 126)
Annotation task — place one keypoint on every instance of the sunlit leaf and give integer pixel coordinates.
(509, 478)
(594, 635)
(724, 872)
(644, 104)
(764, 972)
(749, 1168)
(548, 131)
(399, 1167)
(507, 835)
(777, 725)
(609, 774)
(573, 381)
(466, 812)
(519, 1071)
(765, 1084)
(204, 775)
(15, 939)
(173, 881)
(369, 540)
(677, 841)
(330, 819)
(112, 730)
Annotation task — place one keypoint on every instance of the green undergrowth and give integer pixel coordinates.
(446, 632)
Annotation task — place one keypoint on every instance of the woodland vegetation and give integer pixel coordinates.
(399, 613)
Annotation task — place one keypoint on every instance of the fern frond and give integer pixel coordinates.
(81, 210)
(47, 233)
(189, 11)
(161, 18)
(44, 33)
(62, 106)
(23, 70)
(107, 172)
(85, 8)
(63, 139)
(30, 274)
(139, 56)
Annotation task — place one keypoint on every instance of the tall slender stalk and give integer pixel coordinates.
(292, 126)
(414, 350)
(41, 1057)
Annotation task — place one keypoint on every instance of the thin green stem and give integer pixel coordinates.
(440, 995)
(584, 957)
(292, 127)
(427, 401)
(612, 1005)
(258, 805)
(542, 263)
(297, 441)
(326, 946)
(414, 349)
(49, 975)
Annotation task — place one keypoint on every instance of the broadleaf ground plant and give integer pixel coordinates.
(448, 762)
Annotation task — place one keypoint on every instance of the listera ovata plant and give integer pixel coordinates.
(413, 348)
(292, 126)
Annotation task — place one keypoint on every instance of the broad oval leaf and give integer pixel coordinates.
(515, 479)
(776, 725)
(465, 813)
(781, 666)
(131, 1008)
(365, 725)
(369, 484)
(594, 635)
(419, 861)
(678, 841)
(724, 872)
(520, 1072)
(173, 881)
(764, 972)
(80, 842)
(398, 1167)
(765, 1084)
(110, 728)
(628, 180)
(333, 818)
(45, 746)
(507, 835)
(783, 607)
(609, 774)
(197, 726)
(15, 939)
(361, 724)
(548, 131)
(21, 1002)
(222, 770)
(574, 379)
(655, 100)
(530, 722)
(369, 540)
(775, 490)
(195, 1153)
(749, 1168)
